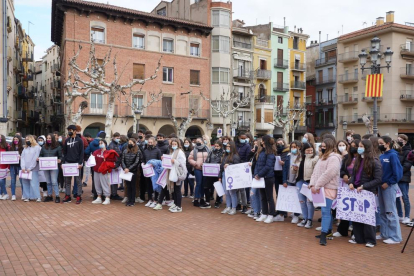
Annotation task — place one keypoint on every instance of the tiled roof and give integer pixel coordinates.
(375, 29)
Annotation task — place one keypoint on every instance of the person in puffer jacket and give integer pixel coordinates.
(196, 159)
(214, 157)
(404, 183)
(188, 148)
(151, 153)
(92, 147)
(264, 169)
(131, 159)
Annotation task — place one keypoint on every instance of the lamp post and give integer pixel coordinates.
(138, 113)
(375, 55)
(345, 128)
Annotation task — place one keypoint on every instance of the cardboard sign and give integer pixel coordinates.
(9, 157)
(258, 184)
(211, 170)
(166, 161)
(48, 163)
(219, 188)
(162, 179)
(306, 191)
(25, 175)
(319, 199)
(125, 176)
(353, 206)
(115, 177)
(148, 170)
(287, 200)
(238, 176)
(70, 169)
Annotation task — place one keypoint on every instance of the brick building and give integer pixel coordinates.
(139, 39)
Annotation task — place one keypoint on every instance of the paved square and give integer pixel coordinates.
(86, 239)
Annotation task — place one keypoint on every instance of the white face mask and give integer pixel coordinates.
(309, 155)
(342, 148)
(349, 138)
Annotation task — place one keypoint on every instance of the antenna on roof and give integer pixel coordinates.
(364, 24)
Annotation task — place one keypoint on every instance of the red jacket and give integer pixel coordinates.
(4, 166)
(105, 162)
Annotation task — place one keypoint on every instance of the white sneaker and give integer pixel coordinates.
(98, 200)
(232, 211)
(138, 200)
(262, 218)
(370, 245)
(400, 219)
(157, 207)
(337, 235)
(318, 228)
(279, 218)
(352, 241)
(13, 198)
(125, 200)
(44, 193)
(171, 203)
(153, 204)
(172, 206)
(177, 210)
(390, 241)
(378, 237)
(107, 201)
(269, 219)
(308, 224)
(295, 220)
(302, 223)
(406, 220)
(6, 196)
(26, 200)
(251, 215)
(226, 210)
(39, 200)
(148, 203)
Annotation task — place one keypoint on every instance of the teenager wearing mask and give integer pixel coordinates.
(73, 151)
(225, 140)
(86, 170)
(230, 157)
(173, 187)
(102, 180)
(115, 145)
(244, 150)
(306, 167)
(214, 157)
(16, 145)
(256, 205)
(349, 137)
(196, 159)
(290, 173)
(151, 153)
(264, 169)
(131, 159)
(342, 147)
(52, 149)
(367, 175)
(41, 140)
(92, 147)
(392, 172)
(309, 138)
(28, 163)
(283, 151)
(4, 146)
(326, 174)
(188, 148)
(162, 144)
(404, 183)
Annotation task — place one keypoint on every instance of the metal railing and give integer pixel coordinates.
(325, 61)
(281, 63)
(283, 87)
(324, 124)
(243, 45)
(239, 73)
(265, 99)
(298, 85)
(350, 77)
(325, 79)
(348, 56)
(298, 66)
(407, 71)
(350, 98)
(264, 74)
(369, 99)
(243, 124)
(382, 118)
(325, 101)
(407, 48)
(407, 95)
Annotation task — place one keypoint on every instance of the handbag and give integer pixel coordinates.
(91, 162)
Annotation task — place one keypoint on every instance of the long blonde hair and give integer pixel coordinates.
(32, 141)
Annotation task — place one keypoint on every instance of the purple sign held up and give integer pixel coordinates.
(353, 206)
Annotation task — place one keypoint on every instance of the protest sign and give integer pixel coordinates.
(353, 206)
(211, 170)
(166, 161)
(219, 188)
(287, 200)
(48, 163)
(319, 199)
(70, 169)
(9, 157)
(115, 176)
(306, 191)
(258, 184)
(238, 176)
(148, 170)
(4, 173)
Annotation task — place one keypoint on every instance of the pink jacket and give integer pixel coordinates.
(198, 163)
(326, 172)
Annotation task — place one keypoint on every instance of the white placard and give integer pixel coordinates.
(148, 170)
(115, 176)
(238, 176)
(219, 188)
(4, 173)
(166, 161)
(211, 170)
(258, 184)
(126, 176)
(319, 199)
(287, 200)
(25, 175)
(278, 167)
(306, 191)
(9, 157)
(70, 169)
(48, 163)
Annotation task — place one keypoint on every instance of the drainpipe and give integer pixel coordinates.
(4, 118)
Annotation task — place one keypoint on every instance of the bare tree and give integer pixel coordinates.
(96, 73)
(368, 123)
(287, 118)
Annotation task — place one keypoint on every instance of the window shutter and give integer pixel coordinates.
(139, 71)
(258, 115)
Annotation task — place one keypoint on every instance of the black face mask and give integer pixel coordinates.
(323, 151)
(28, 143)
(160, 142)
(381, 147)
(401, 144)
(353, 150)
(130, 146)
(150, 147)
(70, 134)
(198, 144)
(140, 137)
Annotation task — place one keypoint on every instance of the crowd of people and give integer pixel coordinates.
(379, 165)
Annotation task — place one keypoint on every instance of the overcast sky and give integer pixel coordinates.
(312, 16)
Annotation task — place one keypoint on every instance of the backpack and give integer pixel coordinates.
(180, 169)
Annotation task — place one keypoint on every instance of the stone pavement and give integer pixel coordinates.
(70, 239)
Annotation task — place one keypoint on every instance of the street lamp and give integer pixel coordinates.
(375, 69)
(138, 113)
(345, 128)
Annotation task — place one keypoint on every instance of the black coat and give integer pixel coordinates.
(236, 160)
(405, 163)
(131, 160)
(190, 168)
(152, 153)
(163, 147)
(370, 183)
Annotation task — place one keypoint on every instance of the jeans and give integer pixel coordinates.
(404, 190)
(390, 226)
(199, 189)
(52, 182)
(241, 197)
(266, 194)
(31, 187)
(86, 173)
(327, 216)
(189, 182)
(14, 172)
(231, 195)
(255, 200)
(307, 207)
(3, 190)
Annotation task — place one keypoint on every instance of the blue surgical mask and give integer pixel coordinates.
(227, 150)
(294, 151)
(60, 140)
(224, 144)
(304, 140)
(41, 143)
(242, 141)
(361, 151)
(117, 140)
(101, 146)
(247, 140)
(205, 142)
(174, 147)
(186, 146)
(146, 142)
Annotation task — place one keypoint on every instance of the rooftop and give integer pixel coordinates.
(372, 29)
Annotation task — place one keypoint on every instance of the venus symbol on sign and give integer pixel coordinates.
(230, 181)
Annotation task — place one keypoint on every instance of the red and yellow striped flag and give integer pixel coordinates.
(374, 85)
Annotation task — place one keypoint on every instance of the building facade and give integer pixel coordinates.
(139, 39)
(395, 108)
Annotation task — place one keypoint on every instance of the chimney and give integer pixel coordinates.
(380, 21)
(390, 17)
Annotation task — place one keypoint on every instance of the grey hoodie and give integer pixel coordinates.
(29, 158)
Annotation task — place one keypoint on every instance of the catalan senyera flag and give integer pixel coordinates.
(374, 85)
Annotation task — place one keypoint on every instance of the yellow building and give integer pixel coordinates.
(264, 102)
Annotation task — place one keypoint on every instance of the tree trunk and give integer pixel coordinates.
(134, 124)
(224, 127)
(109, 114)
(181, 133)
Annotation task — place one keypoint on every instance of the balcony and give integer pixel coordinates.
(325, 79)
(370, 99)
(21, 92)
(28, 57)
(348, 57)
(325, 61)
(296, 66)
(9, 53)
(33, 116)
(244, 125)
(407, 50)
(325, 102)
(387, 118)
(407, 72)
(407, 95)
(20, 115)
(280, 87)
(56, 84)
(157, 112)
(348, 78)
(242, 45)
(241, 74)
(281, 63)
(264, 74)
(348, 99)
(301, 85)
(265, 99)
(324, 125)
